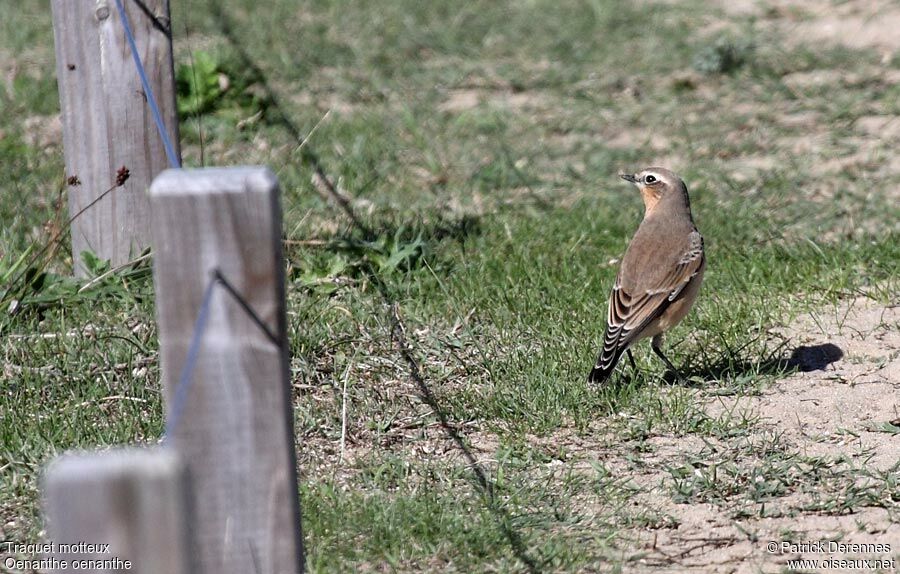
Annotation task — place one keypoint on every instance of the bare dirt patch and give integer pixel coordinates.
(827, 435)
(858, 24)
(42, 131)
(464, 99)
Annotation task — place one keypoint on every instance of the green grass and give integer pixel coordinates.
(495, 221)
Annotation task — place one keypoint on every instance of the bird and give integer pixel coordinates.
(660, 274)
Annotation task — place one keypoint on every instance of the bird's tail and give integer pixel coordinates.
(605, 365)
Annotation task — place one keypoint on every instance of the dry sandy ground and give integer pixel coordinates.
(860, 24)
(836, 408)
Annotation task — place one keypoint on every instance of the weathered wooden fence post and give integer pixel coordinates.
(136, 501)
(235, 430)
(107, 122)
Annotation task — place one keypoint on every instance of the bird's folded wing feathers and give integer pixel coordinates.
(629, 313)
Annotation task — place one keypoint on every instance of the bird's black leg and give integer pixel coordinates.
(655, 345)
(631, 358)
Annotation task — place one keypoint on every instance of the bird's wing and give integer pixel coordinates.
(631, 311)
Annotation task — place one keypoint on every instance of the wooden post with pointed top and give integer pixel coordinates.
(107, 122)
(235, 423)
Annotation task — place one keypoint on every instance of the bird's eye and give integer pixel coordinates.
(650, 179)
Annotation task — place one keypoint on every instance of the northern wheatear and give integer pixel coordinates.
(660, 274)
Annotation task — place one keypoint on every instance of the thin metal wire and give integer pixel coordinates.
(187, 371)
(246, 307)
(185, 380)
(174, 161)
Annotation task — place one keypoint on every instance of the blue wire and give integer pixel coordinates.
(190, 362)
(187, 371)
(174, 161)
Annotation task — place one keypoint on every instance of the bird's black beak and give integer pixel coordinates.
(628, 177)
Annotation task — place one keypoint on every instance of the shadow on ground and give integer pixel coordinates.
(814, 358)
(804, 358)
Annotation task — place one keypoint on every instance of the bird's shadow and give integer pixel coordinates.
(803, 358)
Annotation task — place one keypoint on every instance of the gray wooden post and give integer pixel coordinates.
(107, 123)
(135, 501)
(235, 430)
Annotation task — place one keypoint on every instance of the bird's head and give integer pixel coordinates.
(656, 183)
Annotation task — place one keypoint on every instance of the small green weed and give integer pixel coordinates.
(723, 56)
(210, 84)
(349, 260)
